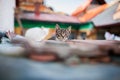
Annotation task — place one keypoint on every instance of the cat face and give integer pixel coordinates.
(62, 34)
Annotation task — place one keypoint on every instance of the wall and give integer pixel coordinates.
(7, 15)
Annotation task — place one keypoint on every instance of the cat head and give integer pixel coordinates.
(62, 34)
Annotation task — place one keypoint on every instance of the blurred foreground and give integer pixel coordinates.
(54, 60)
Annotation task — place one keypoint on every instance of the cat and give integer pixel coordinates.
(39, 34)
(36, 33)
(62, 34)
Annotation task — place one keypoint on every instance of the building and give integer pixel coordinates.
(106, 22)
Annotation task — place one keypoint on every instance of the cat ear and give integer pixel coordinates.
(57, 26)
(69, 28)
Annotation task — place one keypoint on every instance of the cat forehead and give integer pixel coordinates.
(62, 30)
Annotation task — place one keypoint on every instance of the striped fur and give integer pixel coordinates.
(62, 34)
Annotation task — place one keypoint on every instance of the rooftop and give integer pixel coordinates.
(106, 17)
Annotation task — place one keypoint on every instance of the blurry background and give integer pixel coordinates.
(20, 15)
(67, 6)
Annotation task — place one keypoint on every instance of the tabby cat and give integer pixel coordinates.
(61, 33)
